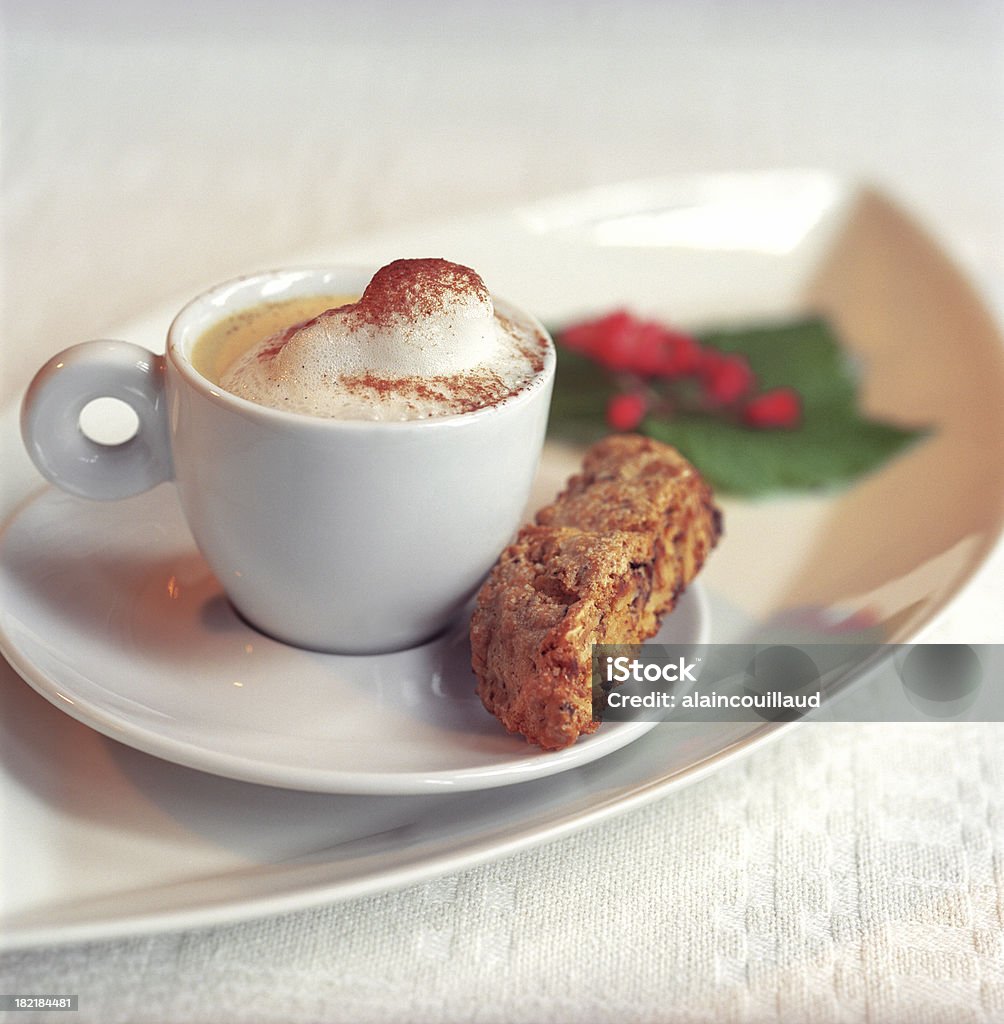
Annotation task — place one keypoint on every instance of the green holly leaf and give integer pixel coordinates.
(833, 445)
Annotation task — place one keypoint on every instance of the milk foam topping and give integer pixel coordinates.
(423, 340)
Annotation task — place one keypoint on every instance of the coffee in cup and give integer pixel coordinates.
(340, 532)
(424, 339)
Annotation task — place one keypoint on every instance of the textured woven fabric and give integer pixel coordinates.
(846, 873)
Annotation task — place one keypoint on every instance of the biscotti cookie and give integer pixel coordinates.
(630, 482)
(604, 562)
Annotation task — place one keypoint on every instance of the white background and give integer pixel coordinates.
(150, 149)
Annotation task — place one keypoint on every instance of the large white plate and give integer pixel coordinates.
(101, 839)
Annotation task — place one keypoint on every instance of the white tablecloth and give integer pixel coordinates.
(847, 872)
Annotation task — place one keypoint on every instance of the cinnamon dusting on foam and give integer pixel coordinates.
(409, 291)
(423, 340)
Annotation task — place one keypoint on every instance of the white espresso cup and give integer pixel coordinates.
(337, 535)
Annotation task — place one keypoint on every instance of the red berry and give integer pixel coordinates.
(725, 378)
(626, 411)
(580, 337)
(649, 349)
(601, 339)
(681, 355)
(781, 407)
(623, 343)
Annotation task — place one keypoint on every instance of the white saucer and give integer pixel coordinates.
(111, 614)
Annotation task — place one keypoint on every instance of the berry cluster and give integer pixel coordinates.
(660, 370)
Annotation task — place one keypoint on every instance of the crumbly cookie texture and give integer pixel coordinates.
(602, 564)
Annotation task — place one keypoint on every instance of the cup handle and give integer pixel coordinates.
(50, 420)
